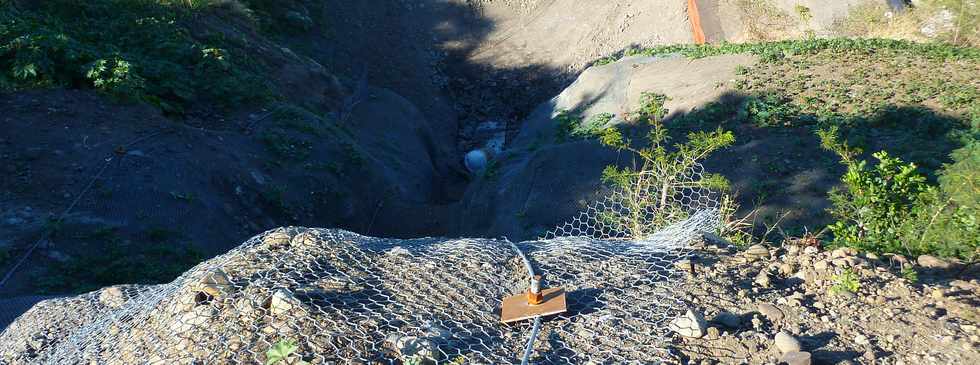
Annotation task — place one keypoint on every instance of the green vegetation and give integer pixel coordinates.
(847, 281)
(774, 51)
(909, 274)
(134, 50)
(664, 171)
(892, 208)
(571, 126)
(6, 253)
(157, 260)
(286, 147)
(918, 193)
(280, 351)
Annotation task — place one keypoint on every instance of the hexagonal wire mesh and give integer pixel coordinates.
(327, 296)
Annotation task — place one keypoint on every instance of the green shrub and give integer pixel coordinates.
(951, 212)
(890, 207)
(875, 203)
(137, 50)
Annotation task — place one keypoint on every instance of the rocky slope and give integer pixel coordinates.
(791, 304)
(339, 297)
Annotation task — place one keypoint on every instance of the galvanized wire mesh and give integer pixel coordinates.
(345, 298)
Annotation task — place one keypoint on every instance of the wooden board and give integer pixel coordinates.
(516, 308)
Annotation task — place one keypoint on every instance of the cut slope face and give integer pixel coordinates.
(338, 296)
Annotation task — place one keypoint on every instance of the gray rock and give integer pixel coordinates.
(795, 358)
(786, 343)
(399, 251)
(808, 276)
(684, 265)
(821, 265)
(771, 312)
(411, 347)
(691, 324)
(787, 269)
(435, 331)
(58, 256)
(932, 262)
(276, 239)
(763, 279)
(198, 318)
(112, 297)
(713, 333)
(862, 340)
(13, 221)
(282, 302)
(728, 319)
(843, 252)
(216, 284)
(756, 252)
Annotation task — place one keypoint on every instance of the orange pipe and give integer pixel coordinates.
(695, 17)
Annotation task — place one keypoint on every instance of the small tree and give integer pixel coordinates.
(663, 173)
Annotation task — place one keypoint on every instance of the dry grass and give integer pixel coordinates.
(952, 21)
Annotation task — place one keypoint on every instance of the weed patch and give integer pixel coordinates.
(845, 282)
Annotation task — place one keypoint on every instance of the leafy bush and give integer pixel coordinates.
(890, 207)
(876, 203)
(137, 50)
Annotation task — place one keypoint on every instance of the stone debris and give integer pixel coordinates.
(112, 297)
(797, 310)
(756, 252)
(415, 349)
(786, 343)
(763, 279)
(282, 301)
(795, 358)
(771, 312)
(691, 324)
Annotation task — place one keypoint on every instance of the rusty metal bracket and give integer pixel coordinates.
(536, 302)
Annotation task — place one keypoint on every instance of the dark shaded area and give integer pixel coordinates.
(317, 159)
(779, 174)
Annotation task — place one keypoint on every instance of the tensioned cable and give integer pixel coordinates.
(529, 348)
(71, 206)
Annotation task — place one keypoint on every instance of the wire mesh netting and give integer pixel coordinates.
(329, 296)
